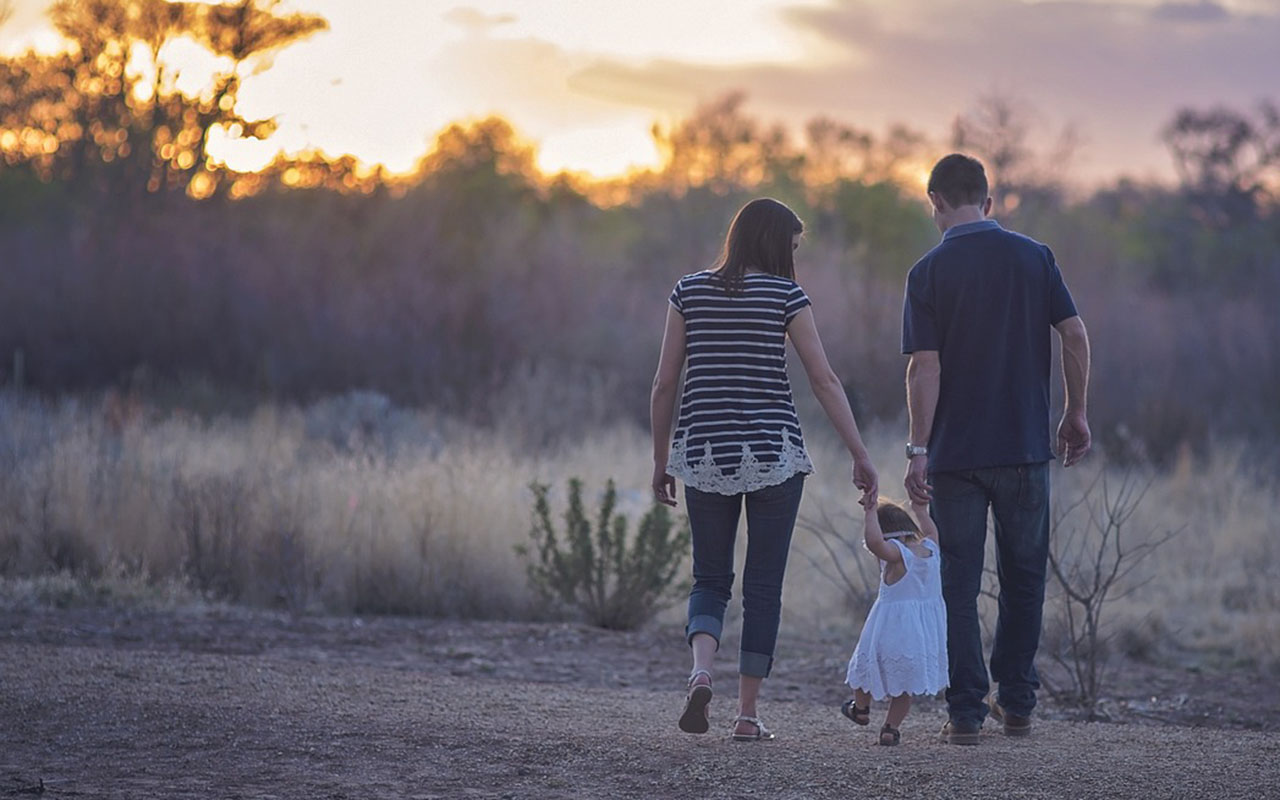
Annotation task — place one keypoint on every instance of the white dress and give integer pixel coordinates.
(903, 646)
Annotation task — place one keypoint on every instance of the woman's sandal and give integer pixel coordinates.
(860, 716)
(697, 715)
(762, 733)
(889, 736)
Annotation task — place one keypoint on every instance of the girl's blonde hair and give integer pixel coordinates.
(894, 519)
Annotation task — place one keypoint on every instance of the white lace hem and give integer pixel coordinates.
(889, 676)
(706, 476)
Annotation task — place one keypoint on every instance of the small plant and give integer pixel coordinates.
(1091, 563)
(212, 514)
(590, 566)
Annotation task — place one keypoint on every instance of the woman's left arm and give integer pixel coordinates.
(803, 332)
(662, 404)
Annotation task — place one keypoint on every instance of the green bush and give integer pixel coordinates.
(594, 571)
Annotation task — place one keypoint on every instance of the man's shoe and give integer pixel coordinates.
(961, 733)
(1014, 725)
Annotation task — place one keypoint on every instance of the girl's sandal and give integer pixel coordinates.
(697, 713)
(762, 733)
(860, 716)
(889, 736)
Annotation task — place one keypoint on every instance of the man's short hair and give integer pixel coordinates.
(960, 180)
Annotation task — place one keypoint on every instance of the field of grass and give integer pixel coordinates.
(354, 505)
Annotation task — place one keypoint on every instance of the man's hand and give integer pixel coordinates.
(1074, 439)
(916, 481)
(664, 485)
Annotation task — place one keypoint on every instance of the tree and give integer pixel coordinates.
(722, 148)
(1226, 160)
(998, 130)
(108, 110)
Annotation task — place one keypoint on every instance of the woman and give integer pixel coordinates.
(737, 437)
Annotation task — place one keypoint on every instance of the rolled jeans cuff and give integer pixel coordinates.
(704, 623)
(754, 665)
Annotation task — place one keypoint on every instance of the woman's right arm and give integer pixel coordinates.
(803, 331)
(662, 404)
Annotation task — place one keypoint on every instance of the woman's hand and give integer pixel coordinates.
(664, 485)
(866, 479)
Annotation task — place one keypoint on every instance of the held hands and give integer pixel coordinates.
(1074, 439)
(916, 482)
(664, 485)
(866, 479)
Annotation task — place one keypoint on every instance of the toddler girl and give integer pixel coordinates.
(903, 647)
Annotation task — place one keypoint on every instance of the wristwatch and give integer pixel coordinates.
(914, 450)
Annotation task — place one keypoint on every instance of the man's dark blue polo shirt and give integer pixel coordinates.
(985, 299)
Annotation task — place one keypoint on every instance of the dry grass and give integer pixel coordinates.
(354, 505)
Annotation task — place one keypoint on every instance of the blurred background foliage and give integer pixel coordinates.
(130, 259)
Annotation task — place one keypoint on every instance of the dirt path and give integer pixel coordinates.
(234, 704)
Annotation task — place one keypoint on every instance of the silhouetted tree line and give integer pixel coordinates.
(131, 258)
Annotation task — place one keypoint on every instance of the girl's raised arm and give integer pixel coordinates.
(921, 510)
(874, 537)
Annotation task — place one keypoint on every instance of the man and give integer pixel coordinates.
(975, 323)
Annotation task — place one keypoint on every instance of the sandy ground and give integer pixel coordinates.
(228, 703)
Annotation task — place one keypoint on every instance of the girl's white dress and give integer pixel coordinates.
(903, 646)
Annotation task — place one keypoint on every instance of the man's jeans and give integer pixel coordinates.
(713, 519)
(1019, 501)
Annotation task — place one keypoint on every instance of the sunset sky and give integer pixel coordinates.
(586, 79)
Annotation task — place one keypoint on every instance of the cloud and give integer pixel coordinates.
(475, 21)
(1117, 71)
(1191, 12)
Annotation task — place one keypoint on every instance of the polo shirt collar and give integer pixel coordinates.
(966, 228)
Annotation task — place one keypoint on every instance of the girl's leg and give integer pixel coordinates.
(858, 709)
(898, 708)
(861, 699)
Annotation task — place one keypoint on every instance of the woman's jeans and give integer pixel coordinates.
(1019, 500)
(713, 519)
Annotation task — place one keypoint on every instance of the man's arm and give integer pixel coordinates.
(924, 377)
(1074, 439)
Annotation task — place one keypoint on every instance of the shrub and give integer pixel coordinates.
(594, 571)
(1090, 562)
(213, 517)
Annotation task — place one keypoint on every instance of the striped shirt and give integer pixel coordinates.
(737, 430)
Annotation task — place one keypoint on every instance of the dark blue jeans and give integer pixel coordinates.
(1018, 497)
(713, 519)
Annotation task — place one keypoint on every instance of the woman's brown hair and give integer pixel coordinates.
(759, 238)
